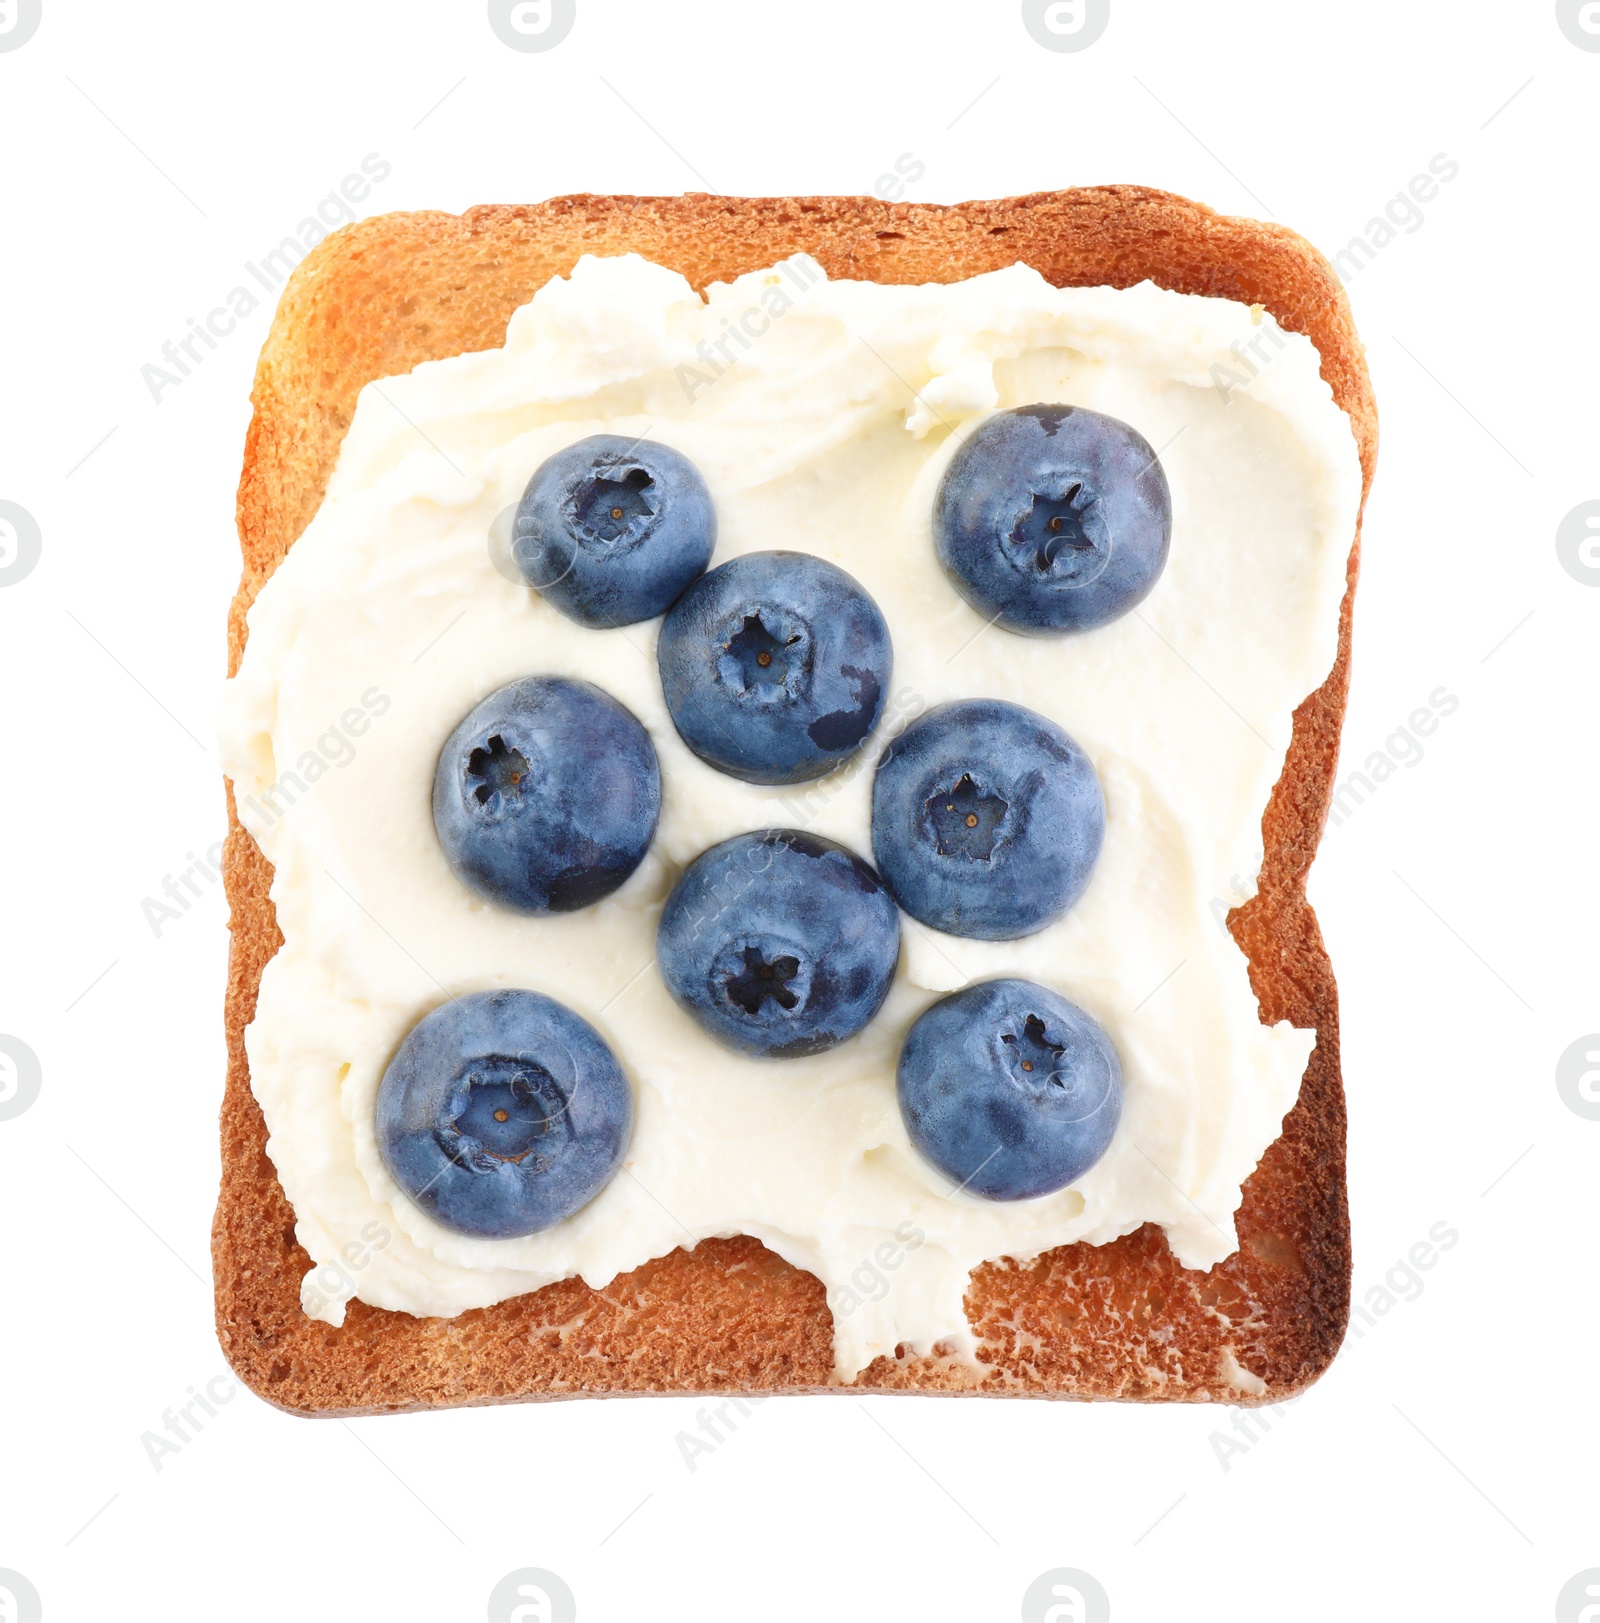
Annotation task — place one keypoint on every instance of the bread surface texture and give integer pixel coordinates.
(1117, 1321)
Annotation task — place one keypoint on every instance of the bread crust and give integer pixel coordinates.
(1117, 1321)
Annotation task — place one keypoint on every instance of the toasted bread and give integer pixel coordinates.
(1116, 1321)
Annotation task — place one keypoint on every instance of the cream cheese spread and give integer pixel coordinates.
(821, 414)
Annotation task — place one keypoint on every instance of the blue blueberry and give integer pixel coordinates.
(1052, 519)
(986, 819)
(775, 667)
(1009, 1089)
(779, 943)
(503, 1113)
(611, 530)
(546, 796)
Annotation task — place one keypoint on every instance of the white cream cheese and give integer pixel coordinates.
(822, 415)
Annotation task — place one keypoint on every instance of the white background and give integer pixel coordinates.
(1446, 1465)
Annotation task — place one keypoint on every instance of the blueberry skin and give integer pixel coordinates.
(779, 943)
(1052, 519)
(986, 819)
(546, 795)
(611, 530)
(818, 695)
(1009, 1089)
(568, 1114)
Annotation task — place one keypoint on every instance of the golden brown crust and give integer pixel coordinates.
(1115, 1321)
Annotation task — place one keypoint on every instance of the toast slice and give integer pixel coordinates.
(1117, 1321)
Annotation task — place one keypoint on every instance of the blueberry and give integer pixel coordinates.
(611, 530)
(779, 943)
(775, 667)
(1009, 1089)
(502, 1113)
(546, 796)
(1053, 519)
(986, 819)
